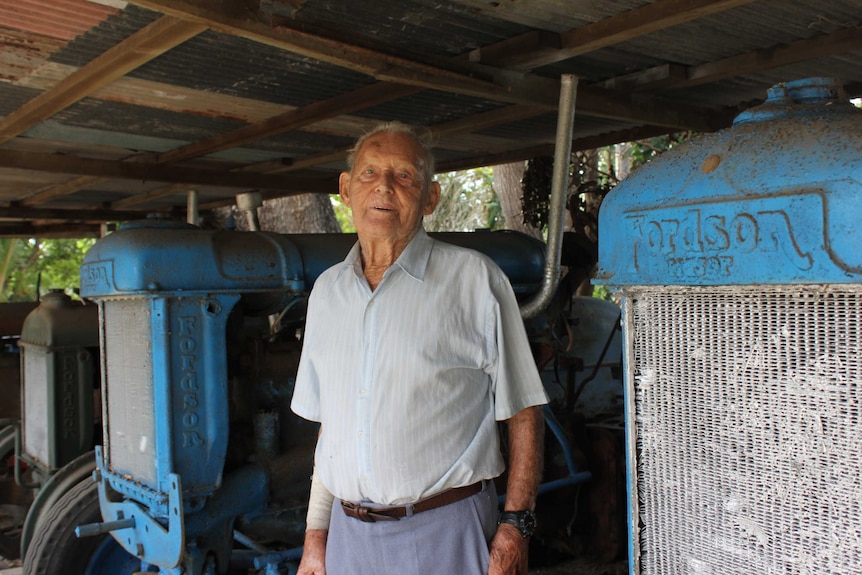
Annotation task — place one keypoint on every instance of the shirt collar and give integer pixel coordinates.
(413, 260)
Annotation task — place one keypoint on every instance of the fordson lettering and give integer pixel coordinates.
(697, 244)
(189, 382)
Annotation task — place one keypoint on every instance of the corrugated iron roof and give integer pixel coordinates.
(282, 91)
(64, 21)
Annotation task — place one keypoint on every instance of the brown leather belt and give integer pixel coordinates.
(373, 514)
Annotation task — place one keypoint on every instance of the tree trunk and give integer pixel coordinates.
(507, 185)
(623, 158)
(301, 214)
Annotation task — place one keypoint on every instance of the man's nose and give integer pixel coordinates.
(386, 183)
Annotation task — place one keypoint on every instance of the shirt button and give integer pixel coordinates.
(363, 392)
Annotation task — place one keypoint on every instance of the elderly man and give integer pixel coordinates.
(413, 350)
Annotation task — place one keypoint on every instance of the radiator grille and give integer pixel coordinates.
(747, 405)
(130, 422)
(37, 379)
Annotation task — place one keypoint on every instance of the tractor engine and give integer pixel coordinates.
(200, 339)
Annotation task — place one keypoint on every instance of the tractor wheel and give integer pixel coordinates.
(79, 469)
(55, 550)
(15, 499)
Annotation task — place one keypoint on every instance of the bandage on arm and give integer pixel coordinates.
(319, 505)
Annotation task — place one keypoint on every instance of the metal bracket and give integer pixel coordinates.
(145, 537)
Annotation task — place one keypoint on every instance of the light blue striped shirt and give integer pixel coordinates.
(409, 380)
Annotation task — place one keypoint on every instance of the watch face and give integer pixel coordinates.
(528, 523)
(524, 521)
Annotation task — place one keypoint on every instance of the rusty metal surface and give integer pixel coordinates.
(66, 19)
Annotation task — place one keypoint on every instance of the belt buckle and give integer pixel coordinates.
(367, 514)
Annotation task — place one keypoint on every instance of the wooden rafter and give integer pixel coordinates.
(673, 77)
(540, 48)
(139, 48)
(53, 163)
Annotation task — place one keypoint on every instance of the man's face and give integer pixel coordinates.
(386, 190)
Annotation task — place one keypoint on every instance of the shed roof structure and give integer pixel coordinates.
(114, 109)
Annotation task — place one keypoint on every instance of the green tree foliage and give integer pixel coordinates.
(642, 151)
(342, 214)
(467, 202)
(30, 267)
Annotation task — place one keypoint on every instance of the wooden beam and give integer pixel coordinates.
(162, 192)
(820, 46)
(66, 188)
(95, 216)
(533, 42)
(27, 230)
(268, 195)
(479, 122)
(267, 167)
(654, 78)
(294, 119)
(529, 152)
(139, 48)
(153, 173)
(608, 32)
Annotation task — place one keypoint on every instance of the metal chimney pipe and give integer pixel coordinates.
(192, 207)
(559, 189)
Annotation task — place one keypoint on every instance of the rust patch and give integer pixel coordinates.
(710, 164)
(60, 19)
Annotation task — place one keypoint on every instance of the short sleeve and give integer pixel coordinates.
(306, 393)
(515, 378)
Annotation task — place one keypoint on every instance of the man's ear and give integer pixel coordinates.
(344, 188)
(433, 198)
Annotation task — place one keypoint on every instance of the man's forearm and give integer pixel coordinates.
(526, 430)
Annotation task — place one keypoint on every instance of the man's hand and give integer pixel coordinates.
(313, 553)
(508, 552)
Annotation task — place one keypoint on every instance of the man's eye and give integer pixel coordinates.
(404, 175)
(369, 171)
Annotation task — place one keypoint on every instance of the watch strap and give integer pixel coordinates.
(524, 521)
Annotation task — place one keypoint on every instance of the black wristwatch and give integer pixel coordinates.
(525, 521)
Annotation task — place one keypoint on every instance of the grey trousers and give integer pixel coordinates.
(449, 540)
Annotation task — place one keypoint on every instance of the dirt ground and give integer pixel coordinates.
(583, 567)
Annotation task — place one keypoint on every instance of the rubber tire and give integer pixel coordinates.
(10, 538)
(79, 469)
(55, 550)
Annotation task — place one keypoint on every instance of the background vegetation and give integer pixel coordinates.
(30, 267)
